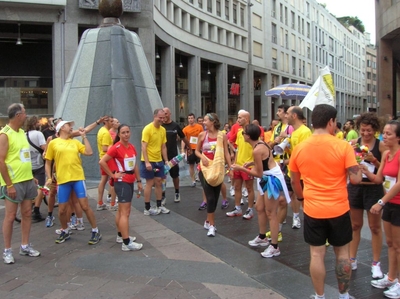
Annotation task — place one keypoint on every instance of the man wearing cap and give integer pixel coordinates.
(66, 151)
(17, 184)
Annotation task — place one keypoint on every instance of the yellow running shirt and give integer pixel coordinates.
(155, 138)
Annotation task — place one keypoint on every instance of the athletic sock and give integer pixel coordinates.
(126, 241)
(147, 206)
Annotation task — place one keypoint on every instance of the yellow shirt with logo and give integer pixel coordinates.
(275, 134)
(18, 159)
(103, 139)
(65, 153)
(340, 135)
(298, 136)
(245, 150)
(155, 138)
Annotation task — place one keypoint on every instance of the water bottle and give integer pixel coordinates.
(164, 184)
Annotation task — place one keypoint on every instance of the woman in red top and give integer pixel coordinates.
(389, 175)
(124, 155)
(206, 143)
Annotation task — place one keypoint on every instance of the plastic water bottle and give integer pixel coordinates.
(164, 184)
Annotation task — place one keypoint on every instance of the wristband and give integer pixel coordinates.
(9, 186)
(138, 181)
(300, 199)
(97, 122)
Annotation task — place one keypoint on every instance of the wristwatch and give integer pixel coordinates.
(381, 202)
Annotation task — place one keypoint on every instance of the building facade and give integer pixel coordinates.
(206, 55)
(388, 56)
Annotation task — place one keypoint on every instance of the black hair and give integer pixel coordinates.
(253, 131)
(117, 138)
(339, 125)
(191, 114)
(322, 114)
(397, 129)
(368, 118)
(284, 107)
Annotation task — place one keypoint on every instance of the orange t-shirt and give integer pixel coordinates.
(191, 133)
(323, 161)
(267, 136)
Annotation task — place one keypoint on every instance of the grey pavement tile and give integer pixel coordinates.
(139, 279)
(203, 294)
(57, 294)
(159, 282)
(233, 292)
(191, 285)
(12, 284)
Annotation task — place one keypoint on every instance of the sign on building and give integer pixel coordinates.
(128, 5)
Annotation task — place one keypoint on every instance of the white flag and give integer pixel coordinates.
(322, 92)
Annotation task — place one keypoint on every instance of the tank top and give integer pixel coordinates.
(18, 159)
(391, 169)
(265, 161)
(208, 147)
(377, 154)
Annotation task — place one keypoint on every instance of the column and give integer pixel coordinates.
(170, 11)
(222, 92)
(163, 7)
(186, 22)
(247, 90)
(65, 44)
(146, 35)
(178, 17)
(194, 78)
(168, 77)
(214, 34)
(266, 107)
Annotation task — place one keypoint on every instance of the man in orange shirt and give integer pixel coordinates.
(192, 131)
(324, 162)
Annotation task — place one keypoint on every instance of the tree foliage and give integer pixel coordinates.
(352, 21)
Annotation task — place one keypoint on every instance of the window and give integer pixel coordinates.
(273, 8)
(200, 2)
(274, 59)
(241, 16)
(256, 21)
(191, 1)
(293, 65)
(293, 19)
(227, 10)
(274, 33)
(234, 12)
(218, 8)
(209, 6)
(257, 49)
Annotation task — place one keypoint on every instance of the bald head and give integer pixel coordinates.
(167, 118)
(243, 118)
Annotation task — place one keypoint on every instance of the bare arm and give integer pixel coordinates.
(354, 173)
(296, 185)
(3, 156)
(164, 152)
(88, 147)
(378, 178)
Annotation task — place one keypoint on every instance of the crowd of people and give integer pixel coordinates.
(268, 168)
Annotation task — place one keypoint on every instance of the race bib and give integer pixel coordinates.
(370, 167)
(193, 140)
(129, 163)
(25, 155)
(389, 183)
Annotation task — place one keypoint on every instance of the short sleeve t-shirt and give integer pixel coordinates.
(37, 138)
(155, 138)
(192, 133)
(18, 159)
(280, 127)
(125, 160)
(65, 152)
(322, 161)
(245, 150)
(351, 135)
(173, 130)
(103, 139)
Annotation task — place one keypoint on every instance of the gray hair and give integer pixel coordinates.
(14, 109)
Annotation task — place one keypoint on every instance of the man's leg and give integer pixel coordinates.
(11, 212)
(100, 192)
(83, 202)
(317, 268)
(26, 215)
(237, 211)
(343, 267)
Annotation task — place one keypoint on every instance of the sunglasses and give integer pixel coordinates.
(244, 133)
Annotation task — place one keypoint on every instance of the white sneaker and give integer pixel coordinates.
(59, 231)
(206, 225)
(132, 246)
(154, 211)
(108, 198)
(29, 251)
(383, 283)
(232, 191)
(249, 214)
(119, 239)
(163, 201)
(393, 292)
(244, 192)
(211, 231)
(271, 252)
(296, 222)
(177, 197)
(376, 271)
(256, 242)
(234, 212)
(164, 210)
(8, 257)
(113, 208)
(80, 226)
(353, 264)
(101, 207)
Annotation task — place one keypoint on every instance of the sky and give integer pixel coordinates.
(363, 9)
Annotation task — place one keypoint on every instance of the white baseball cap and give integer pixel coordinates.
(63, 122)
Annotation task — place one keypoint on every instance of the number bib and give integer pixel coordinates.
(129, 163)
(25, 155)
(389, 183)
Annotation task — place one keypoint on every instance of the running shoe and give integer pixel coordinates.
(232, 191)
(211, 231)
(258, 242)
(206, 225)
(29, 251)
(193, 184)
(203, 206)
(376, 271)
(132, 246)
(108, 198)
(96, 237)
(393, 292)
(101, 207)
(244, 192)
(64, 236)
(50, 221)
(296, 223)
(249, 214)
(353, 264)
(37, 217)
(113, 208)
(164, 210)
(8, 256)
(163, 201)
(80, 226)
(384, 282)
(225, 204)
(235, 212)
(280, 237)
(271, 252)
(177, 197)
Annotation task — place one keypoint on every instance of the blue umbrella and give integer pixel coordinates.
(289, 91)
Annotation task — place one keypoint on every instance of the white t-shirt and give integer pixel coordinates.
(37, 138)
